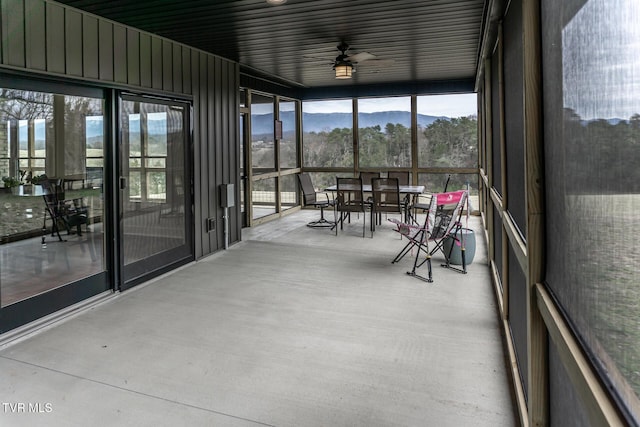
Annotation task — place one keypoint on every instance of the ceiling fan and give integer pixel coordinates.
(344, 62)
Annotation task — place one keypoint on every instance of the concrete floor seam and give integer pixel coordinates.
(137, 392)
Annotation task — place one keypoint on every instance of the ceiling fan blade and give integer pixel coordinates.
(377, 63)
(316, 58)
(361, 57)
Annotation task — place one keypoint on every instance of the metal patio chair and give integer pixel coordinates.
(68, 213)
(313, 198)
(350, 199)
(386, 198)
(443, 221)
(424, 205)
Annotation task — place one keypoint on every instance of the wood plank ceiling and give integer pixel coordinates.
(427, 40)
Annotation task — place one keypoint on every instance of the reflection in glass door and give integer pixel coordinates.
(155, 188)
(52, 205)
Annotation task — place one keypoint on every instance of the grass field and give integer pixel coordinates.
(601, 289)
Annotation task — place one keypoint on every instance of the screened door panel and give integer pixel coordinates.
(155, 199)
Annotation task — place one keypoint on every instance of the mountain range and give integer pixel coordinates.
(318, 122)
(263, 123)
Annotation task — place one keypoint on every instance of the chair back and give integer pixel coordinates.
(403, 177)
(445, 213)
(446, 183)
(366, 177)
(386, 195)
(349, 195)
(53, 191)
(308, 191)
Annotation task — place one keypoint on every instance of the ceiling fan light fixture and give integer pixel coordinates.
(343, 70)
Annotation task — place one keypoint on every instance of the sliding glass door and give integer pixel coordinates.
(52, 255)
(155, 187)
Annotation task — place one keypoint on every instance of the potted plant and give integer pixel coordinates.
(37, 179)
(10, 182)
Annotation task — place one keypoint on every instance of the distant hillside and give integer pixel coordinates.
(614, 121)
(317, 122)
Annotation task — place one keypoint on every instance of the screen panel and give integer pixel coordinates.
(518, 315)
(591, 124)
(514, 116)
(496, 124)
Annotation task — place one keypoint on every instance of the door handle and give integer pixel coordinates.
(123, 182)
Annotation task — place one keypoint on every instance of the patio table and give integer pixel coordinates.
(412, 190)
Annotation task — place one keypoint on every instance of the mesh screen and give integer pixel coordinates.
(496, 171)
(566, 409)
(591, 132)
(513, 113)
(497, 242)
(518, 315)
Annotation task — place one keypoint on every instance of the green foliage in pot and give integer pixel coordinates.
(10, 181)
(37, 179)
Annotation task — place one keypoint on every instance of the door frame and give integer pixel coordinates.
(163, 262)
(245, 145)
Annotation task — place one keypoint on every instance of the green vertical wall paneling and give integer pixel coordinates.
(210, 167)
(186, 70)
(156, 62)
(3, 41)
(200, 162)
(56, 54)
(216, 155)
(202, 89)
(167, 66)
(119, 54)
(234, 144)
(13, 32)
(35, 41)
(197, 144)
(223, 72)
(133, 57)
(73, 42)
(218, 138)
(176, 63)
(90, 47)
(145, 60)
(105, 50)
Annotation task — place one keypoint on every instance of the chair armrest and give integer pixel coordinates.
(405, 228)
(423, 198)
(329, 200)
(73, 206)
(422, 201)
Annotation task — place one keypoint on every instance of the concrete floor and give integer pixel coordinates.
(291, 327)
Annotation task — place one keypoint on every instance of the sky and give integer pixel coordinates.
(459, 105)
(601, 60)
